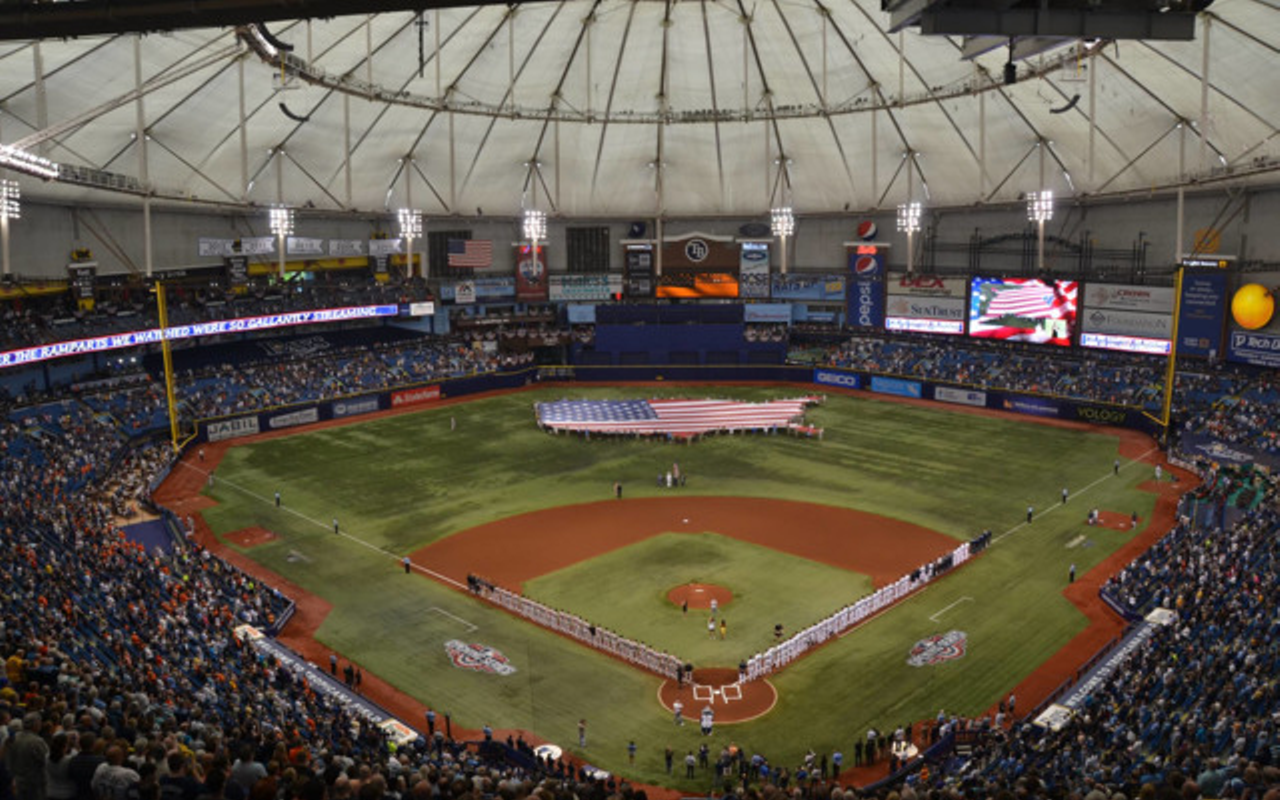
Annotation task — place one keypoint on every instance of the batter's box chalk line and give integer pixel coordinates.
(438, 610)
(707, 694)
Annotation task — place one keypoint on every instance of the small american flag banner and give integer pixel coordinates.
(470, 253)
(670, 416)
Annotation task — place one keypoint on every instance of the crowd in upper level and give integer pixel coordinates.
(1236, 405)
(41, 320)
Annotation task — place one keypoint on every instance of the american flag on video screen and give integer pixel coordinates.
(1034, 301)
(680, 417)
(470, 253)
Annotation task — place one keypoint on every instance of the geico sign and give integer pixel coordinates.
(838, 379)
(1095, 414)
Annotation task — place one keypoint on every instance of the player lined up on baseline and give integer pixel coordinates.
(783, 653)
(572, 625)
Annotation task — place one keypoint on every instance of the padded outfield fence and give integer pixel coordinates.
(422, 394)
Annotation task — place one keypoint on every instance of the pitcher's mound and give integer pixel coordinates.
(719, 689)
(700, 595)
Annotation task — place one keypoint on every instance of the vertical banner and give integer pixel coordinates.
(865, 286)
(1202, 313)
(380, 252)
(237, 271)
(753, 270)
(83, 278)
(638, 280)
(531, 274)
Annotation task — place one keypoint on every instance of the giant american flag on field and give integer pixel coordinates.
(677, 417)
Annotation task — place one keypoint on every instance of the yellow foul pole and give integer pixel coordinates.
(1167, 407)
(1166, 403)
(168, 364)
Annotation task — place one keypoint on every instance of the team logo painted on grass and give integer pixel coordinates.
(938, 648)
(478, 657)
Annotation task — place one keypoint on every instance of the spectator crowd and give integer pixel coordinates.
(123, 678)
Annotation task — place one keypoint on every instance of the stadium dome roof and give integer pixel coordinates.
(626, 108)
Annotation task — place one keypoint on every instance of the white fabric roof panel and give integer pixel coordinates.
(584, 95)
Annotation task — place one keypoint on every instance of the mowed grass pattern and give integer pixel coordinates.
(399, 483)
(767, 590)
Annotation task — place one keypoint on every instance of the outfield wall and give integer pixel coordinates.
(283, 418)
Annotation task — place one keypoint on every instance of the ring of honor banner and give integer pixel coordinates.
(864, 299)
(248, 245)
(1202, 313)
(753, 270)
(531, 274)
(639, 270)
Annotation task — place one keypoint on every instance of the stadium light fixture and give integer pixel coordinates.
(535, 229)
(1040, 211)
(281, 226)
(30, 163)
(410, 229)
(10, 208)
(1040, 206)
(782, 222)
(909, 223)
(535, 225)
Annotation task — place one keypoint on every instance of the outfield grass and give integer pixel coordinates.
(399, 483)
(768, 588)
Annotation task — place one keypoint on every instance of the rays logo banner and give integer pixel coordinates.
(938, 648)
(478, 658)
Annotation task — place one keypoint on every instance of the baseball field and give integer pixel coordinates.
(790, 528)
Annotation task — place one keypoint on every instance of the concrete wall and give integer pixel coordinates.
(41, 241)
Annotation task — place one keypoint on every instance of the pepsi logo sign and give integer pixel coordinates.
(867, 230)
(866, 265)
